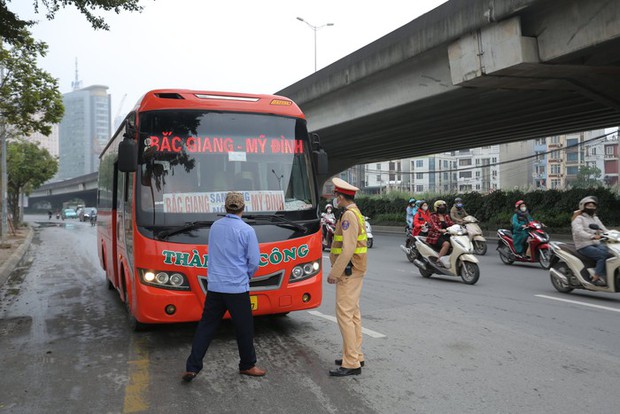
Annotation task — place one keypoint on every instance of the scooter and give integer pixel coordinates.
(538, 243)
(571, 270)
(369, 237)
(461, 261)
(475, 235)
(328, 227)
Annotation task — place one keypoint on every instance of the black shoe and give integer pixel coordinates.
(599, 282)
(344, 372)
(339, 362)
(189, 376)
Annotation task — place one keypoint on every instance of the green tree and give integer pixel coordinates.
(588, 177)
(28, 166)
(12, 28)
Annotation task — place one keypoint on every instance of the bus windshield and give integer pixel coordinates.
(190, 159)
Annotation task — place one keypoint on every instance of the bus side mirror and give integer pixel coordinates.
(127, 155)
(319, 156)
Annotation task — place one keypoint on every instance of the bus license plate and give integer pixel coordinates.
(254, 302)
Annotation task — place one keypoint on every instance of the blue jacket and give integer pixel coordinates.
(233, 255)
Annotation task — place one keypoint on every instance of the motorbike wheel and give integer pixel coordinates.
(413, 253)
(425, 273)
(369, 243)
(470, 273)
(480, 247)
(504, 254)
(544, 258)
(556, 282)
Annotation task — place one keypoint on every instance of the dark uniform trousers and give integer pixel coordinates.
(216, 305)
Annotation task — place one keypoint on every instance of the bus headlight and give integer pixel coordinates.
(304, 271)
(164, 279)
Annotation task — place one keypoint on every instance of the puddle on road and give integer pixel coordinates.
(55, 224)
(19, 325)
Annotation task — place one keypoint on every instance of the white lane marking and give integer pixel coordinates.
(368, 332)
(580, 303)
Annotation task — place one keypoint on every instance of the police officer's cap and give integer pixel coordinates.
(341, 186)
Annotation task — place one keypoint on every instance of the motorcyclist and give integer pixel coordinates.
(49, 214)
(587, 240)
(327, 215)
(411, 210)
(329, 212)
(421, 220)
(438, 236)
(457, 212)
(520, 220)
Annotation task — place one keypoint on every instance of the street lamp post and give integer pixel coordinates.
(314, 28)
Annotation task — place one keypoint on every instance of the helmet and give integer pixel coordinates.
(438, 203)
(518, 203)
(419, 202)
(411, 200)
(328, 206)
(458, 200)
(586, 200)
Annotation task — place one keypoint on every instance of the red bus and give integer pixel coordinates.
(163, 178)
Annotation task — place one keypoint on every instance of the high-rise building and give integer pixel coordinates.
(49, 142)
(84, 130)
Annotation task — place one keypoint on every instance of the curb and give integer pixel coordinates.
(7, 268)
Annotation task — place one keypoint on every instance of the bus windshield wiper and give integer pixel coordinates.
(283, 220)
(164, 234)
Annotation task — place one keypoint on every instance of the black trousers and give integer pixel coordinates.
(216, 305)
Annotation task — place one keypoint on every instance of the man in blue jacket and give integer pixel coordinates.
(233, 259)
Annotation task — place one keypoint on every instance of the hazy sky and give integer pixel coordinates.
(234, 45)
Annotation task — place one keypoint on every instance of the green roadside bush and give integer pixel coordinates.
(494, 210)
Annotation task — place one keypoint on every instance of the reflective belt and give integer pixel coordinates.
(339, 237)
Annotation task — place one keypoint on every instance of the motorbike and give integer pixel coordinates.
(460, 262)
(475, 235)
(328, 227)
(571, 270)
(93, 220)
(369, 237)
(538, 243)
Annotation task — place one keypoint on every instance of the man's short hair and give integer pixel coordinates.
(346, 196)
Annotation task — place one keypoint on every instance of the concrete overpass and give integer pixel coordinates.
(54, 195)
(467, 74)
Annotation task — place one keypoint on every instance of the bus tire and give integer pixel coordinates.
(134, 325)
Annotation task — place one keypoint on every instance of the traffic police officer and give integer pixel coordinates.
(348, 259)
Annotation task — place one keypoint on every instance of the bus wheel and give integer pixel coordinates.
(134, 325)
(110, 285)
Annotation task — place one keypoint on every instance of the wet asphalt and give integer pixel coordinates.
(432, 345)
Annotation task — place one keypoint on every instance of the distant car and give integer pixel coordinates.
(69, 213)
(84, 213)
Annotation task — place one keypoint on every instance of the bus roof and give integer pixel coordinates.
(221, 101)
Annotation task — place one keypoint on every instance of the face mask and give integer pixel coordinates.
(523, 208)
(590, 211)
(459, 206)
(329, 211)
(335, 202)
(441, 210)
(424, 208)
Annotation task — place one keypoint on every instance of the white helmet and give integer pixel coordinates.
(586, 200)
(329, 206)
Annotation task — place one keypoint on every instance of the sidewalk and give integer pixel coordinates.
(12, 250)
